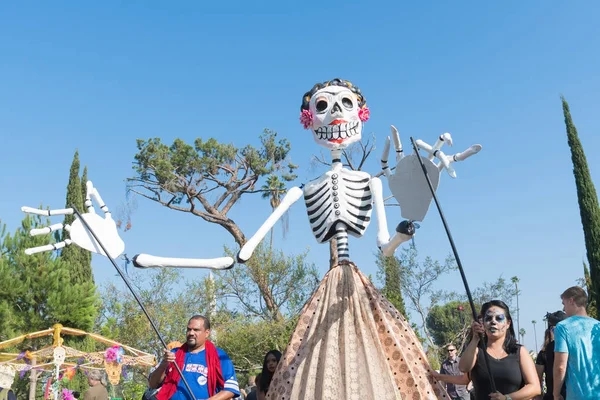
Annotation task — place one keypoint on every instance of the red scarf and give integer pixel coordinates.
(213, 364)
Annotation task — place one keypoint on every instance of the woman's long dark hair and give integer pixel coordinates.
(510, 341)
(266, 375)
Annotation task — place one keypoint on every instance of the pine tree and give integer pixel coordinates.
(38, 287)
(77, 259)
(588, 204)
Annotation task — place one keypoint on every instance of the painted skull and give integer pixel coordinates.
(59, 355)
(7, 376)
(335, 114)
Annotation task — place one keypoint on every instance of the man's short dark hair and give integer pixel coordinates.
(555, 317)
(204, 320)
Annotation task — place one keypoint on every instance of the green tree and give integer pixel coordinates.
(291, 280)
(36, 292)
(40, 287)
(390, 273)
(77, 259)
(586, 283)
(87, 256)
(449, 323)
(209, 178)
(588, 203)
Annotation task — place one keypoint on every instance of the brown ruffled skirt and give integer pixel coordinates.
(351, 343)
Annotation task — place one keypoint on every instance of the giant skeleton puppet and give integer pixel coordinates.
(350, 342)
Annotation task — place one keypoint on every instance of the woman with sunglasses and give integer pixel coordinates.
(511, 365)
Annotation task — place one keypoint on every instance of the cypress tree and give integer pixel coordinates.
(592, 310)
(391, 274)
(84, 178)
(76, 258)
(588, 204)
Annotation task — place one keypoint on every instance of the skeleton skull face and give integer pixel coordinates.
(336, 122)
(59, 355)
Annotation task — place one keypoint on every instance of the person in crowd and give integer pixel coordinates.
(206, 368)
(456, 381)
(97, 382)
(269, 365)
(577, 349)
(545, 359)
(253, 394)
(511, 366)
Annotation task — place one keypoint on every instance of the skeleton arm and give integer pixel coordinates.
(292, 196)
(404, 231)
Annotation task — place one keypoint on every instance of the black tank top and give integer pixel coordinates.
(506, 371)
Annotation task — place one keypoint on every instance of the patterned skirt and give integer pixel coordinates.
(351, 343)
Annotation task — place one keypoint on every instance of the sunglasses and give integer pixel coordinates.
(451, 350)
(499, 318)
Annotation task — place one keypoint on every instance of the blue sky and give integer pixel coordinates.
(95, 77)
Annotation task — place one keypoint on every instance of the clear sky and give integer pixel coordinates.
(95, 77)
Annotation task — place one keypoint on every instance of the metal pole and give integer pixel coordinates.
(457, 258)
(89, 228)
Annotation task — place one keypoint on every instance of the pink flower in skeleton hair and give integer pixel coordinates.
(364, 114)
(306, 118)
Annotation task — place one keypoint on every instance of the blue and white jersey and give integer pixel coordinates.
(195, 372)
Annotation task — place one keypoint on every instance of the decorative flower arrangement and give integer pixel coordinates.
(114, 354)
(67, 394)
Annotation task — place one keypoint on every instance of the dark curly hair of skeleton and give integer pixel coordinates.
(334, 82)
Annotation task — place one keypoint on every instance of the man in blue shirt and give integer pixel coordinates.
(577, 349)
(206, 368)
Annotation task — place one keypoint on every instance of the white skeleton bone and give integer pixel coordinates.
(407, 183)
(105, 228)
(106, 231)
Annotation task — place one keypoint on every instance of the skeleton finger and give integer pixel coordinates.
(148, 261)
(37, 211)
(92, 192)
(48, 247)
(89, 188)
(48, 229)
(397, 144)
(424, 146)
(384, 158)
(445, 163)
(476, 148)
(444, 138)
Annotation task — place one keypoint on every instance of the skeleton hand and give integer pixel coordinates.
(104, 228)
(407, 183)
(445, 160)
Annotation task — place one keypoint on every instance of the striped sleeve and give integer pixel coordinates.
(231, 383)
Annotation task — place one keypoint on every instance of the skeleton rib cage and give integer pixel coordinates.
(340, 196)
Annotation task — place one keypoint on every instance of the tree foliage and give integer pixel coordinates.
(208, 178)
(418, 279)
(36, 291)
(586, 283)
(449, 323)
(290, 281)
(588, 203)
(77, 259)
(389, 271)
